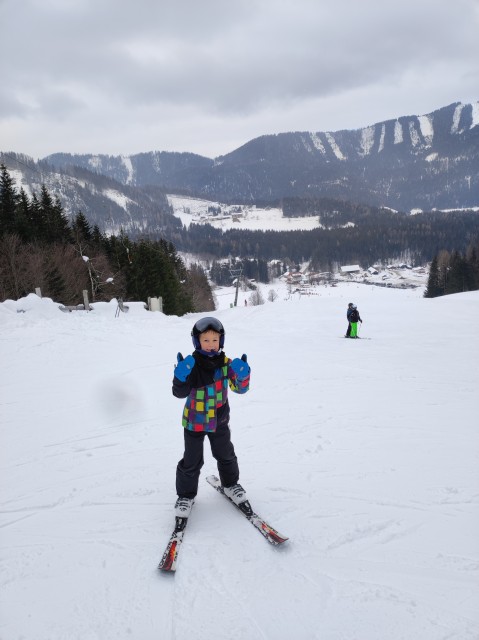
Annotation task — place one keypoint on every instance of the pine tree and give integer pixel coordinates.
(457, 274)
(82, 231)
(38, 226)
(198, 289)
(54, 282)
(97, 238)
(45, 208)
(60, 228)
(53, 223)
(433, 288)
(23, 218)
(473, 268)
(8, 202)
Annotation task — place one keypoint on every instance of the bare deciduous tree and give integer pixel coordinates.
(12, 267)
(198, 289)
(256, 298)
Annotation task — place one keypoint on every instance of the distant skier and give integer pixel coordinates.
(348, 314)
(353, 317)
(203, 379)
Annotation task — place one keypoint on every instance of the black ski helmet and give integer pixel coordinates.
(350, 304)
(207, 324)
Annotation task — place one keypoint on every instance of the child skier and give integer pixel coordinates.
(348, 315)
(203, 379)
(354, 318)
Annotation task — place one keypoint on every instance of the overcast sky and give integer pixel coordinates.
(206, 76)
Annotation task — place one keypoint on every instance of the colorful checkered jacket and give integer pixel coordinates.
(206, 392)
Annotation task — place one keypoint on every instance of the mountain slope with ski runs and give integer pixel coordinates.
(423, 162)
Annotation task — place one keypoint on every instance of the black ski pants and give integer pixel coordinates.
(188, 469)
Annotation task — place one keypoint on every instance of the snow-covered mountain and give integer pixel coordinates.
(428, 161)
(364, 453)
(110, 204)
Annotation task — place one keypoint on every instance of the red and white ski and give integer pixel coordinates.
(257, 521)
(170, 556)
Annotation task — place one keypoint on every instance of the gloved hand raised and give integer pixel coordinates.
(184, 367)
(241, 367)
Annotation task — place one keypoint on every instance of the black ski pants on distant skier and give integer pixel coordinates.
(188, 469)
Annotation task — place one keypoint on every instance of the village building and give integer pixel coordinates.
(350, 269)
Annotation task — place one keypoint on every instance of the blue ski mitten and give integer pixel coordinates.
(184, 367)
(241, 367)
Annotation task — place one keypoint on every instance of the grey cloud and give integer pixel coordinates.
(224, 60)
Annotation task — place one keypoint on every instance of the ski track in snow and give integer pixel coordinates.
(364, 453)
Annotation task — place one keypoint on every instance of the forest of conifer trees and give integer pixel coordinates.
(453, 272)
(40, 249)
(350, 235)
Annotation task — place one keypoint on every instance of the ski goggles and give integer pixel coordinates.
(208, 324)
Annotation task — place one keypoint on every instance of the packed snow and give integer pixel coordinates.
(365, 453)
(334, 146)
(414, 135)
(382, 138)
(426, 126)
(317, 142)
(129, 167)
(367, 140)
(398, 132)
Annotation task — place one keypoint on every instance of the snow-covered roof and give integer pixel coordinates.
(349, 268)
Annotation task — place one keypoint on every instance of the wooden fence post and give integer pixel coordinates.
(85, 300)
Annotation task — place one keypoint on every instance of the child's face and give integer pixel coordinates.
(210, 341)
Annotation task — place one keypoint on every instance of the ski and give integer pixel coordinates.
(263, 527)
(170, 557)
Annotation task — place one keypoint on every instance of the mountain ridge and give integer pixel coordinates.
(427, 161)
(436, 166)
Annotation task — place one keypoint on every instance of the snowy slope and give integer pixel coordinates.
(194, 210)
(365, 453)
